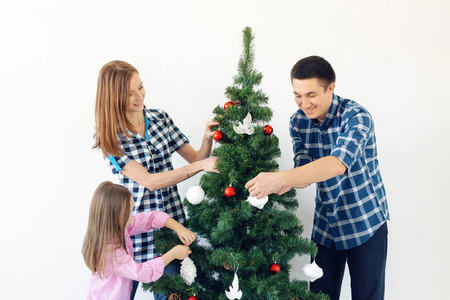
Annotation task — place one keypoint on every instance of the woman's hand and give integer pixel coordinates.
(208, 130)
(186, 236)
(191, 155)
(209, 164)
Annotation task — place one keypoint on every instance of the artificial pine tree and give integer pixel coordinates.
(243, 244)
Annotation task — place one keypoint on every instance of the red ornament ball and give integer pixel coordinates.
(218, 136)
(275, 268)
(227, 104)
(230, 192)
(192, 298)
(268, 130)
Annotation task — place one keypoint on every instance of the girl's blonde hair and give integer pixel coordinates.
(113, 88)
(108, 217)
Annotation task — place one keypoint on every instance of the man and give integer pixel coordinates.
(334, 146)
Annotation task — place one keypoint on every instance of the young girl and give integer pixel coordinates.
(138, 143)
(107, 247)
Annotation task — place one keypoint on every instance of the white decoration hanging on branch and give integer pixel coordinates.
(234, 292)
(312, 271)
(188, 270)
(259, 203)
(246, 126)
(195, 194)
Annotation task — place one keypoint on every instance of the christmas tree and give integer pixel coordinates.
(247, 243)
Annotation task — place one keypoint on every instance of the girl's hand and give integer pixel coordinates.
(180, 251)
(186, 236)
(208, 131)
(209, 164)
(177, 252)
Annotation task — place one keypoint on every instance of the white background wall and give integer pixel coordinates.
(391, 56)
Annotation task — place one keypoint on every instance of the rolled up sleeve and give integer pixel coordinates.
(117, 163)
(301, 154)
(352, 140)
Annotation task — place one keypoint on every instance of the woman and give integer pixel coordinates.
(138, 143)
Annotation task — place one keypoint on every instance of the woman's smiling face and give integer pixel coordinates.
(137, 94)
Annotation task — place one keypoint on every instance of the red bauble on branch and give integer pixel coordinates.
(268, 130)
(218, 136)
(230, 192)
(275, 268)
(192, 298)
(227, 104)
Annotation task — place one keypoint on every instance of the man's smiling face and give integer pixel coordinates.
(312, 97)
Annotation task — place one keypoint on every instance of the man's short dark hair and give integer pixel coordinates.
(314, 67)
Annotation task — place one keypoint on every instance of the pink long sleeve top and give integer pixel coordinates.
(117, 280)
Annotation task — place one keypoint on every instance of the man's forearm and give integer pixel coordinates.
(316, 171)
(300, 177)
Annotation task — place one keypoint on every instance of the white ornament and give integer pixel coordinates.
(188, 270)
(259, 203)
(195, 194)
(234, 292)
(246, 126)
(312, 271)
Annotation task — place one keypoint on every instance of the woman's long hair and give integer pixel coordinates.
(111, 103)
(108, 216)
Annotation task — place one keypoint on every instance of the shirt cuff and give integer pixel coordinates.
(118, 162)
(158, 268)
(344, 156)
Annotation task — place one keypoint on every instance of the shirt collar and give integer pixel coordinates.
(147, 117)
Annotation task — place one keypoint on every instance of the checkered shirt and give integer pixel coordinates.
(349, 208)
(154, 152)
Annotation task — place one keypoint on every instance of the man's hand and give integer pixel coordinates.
(267, 183)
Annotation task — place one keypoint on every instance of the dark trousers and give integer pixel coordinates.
(366, 264)
(171, 269)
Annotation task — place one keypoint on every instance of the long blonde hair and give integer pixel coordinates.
(108, 216)
(113, 88)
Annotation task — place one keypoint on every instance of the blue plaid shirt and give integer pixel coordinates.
(349, 208)
(154, 152)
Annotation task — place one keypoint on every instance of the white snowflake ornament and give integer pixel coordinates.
(312, 271)
(259, 203)
(246, 126)
(195, 194)
(234, 292)
(188, 270)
